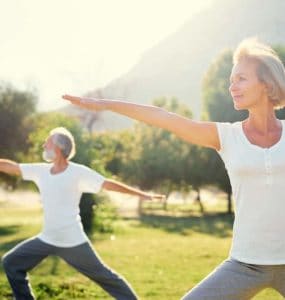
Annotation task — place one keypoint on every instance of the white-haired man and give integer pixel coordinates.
(61, 184)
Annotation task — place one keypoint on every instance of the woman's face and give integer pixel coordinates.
(245, 88)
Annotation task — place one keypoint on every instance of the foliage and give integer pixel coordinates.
(217, 102)
(105, 215)
(15, 107)
(97, 213)
(110, 150)
(155, 157)
(159, 160)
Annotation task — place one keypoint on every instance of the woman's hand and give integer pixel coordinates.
(91, 104)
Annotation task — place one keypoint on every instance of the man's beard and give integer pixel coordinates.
(49, 155)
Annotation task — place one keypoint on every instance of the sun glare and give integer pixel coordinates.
(76, 46)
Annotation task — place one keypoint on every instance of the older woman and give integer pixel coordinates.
(254, 154)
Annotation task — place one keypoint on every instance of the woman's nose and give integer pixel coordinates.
(232, 87)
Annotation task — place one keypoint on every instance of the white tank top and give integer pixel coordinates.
(257, 178)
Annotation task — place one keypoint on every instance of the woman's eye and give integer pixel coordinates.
(237, 79)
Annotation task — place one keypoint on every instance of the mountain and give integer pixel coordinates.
(176, 65)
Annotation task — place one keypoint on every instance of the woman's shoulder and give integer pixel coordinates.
(228, 126)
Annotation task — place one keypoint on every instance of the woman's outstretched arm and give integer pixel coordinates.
(195, 132)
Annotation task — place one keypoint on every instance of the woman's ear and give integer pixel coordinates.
(267, 88)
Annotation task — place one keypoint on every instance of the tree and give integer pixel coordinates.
(15, 109)
(217, 102)
(195, 168)
(160, 160)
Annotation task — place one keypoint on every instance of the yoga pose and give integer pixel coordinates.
(61, 184)
(254, 154)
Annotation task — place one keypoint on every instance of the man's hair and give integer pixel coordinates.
(63, 139)
(270, 69)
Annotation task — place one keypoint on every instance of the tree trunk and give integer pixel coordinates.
(165, 200)
(198, 200)
(140, 206)
(86, 211)
(229, 203)
(165, 203)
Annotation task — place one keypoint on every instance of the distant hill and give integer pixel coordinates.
(176, 65)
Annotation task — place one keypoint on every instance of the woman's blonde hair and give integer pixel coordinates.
(270, 68)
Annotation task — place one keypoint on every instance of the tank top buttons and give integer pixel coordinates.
(268, 166)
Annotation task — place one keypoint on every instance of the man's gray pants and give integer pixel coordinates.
(83, 258)
(235, 280)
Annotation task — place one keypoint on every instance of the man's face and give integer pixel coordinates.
(49, 152)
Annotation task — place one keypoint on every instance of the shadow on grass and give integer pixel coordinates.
(7, 230)
(54, 265)
(216, 224)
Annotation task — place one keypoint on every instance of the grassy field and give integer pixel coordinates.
(161, 255)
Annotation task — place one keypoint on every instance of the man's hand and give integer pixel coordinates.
(158, 197)
(9, 167)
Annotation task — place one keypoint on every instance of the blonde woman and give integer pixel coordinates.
(254, 154)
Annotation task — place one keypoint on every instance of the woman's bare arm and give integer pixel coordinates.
(195, 132)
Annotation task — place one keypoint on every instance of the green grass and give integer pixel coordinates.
(162, 256)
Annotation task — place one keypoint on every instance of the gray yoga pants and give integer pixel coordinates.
(234, 280)
(83, 258)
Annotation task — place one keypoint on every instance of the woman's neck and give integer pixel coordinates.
(262, 119)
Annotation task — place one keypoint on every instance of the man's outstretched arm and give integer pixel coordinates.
(116, 186)
(9, 167)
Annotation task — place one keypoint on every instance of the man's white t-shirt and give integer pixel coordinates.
(60, 197)
(257, 178)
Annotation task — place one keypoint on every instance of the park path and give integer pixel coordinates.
(19, 197)
(127, 205)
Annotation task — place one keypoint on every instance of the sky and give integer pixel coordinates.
(75, 46)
